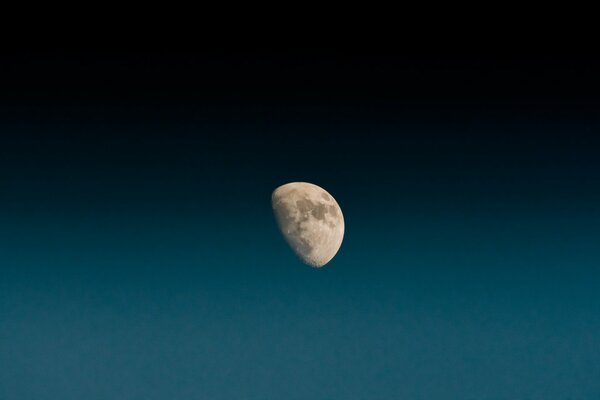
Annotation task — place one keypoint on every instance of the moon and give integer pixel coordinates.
(310, 220)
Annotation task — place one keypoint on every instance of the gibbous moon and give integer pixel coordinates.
(310, 220)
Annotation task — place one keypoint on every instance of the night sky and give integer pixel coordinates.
(140, 259)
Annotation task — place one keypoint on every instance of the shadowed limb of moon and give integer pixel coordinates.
(310, 220)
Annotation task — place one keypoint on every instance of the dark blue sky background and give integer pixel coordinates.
(139, 258)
